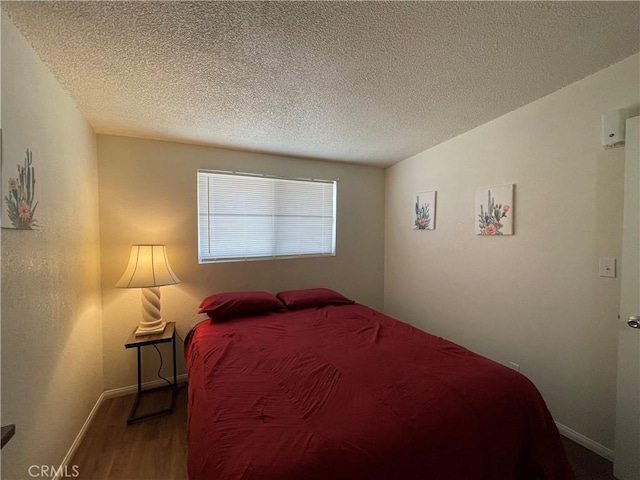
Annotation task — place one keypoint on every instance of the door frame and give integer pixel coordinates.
(626, 463)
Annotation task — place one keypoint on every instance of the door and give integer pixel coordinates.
(626, 464)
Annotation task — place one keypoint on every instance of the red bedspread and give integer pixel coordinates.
(345, 392)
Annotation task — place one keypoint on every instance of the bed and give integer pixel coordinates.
(341, 391)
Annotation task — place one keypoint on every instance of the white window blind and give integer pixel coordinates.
(243, 217)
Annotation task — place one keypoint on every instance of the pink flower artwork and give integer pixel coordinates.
(21, 200)
(424, 211)
(494, 210)
(24, 210)
(489, 230)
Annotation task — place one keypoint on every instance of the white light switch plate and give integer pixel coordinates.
(607, 267)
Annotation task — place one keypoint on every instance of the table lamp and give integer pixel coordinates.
(148, 269)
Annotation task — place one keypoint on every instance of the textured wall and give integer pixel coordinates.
(51, 317)
(534, 298)
(148, 194)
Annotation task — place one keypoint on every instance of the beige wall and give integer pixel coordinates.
(534, 298)
(51, 312)
(148, 194)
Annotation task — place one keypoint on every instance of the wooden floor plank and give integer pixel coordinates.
(154, 449)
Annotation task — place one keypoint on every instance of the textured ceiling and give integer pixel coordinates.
(366, 82)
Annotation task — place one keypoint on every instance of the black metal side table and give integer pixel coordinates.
(169, 335)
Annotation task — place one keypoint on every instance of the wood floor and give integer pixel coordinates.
(586, 464)
(156, 449)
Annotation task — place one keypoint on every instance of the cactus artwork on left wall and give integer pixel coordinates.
(20, 196)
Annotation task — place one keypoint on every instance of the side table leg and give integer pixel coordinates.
(132, 414)
(139, 373)
(175, 377)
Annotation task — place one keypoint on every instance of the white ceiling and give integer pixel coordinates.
(365, 82)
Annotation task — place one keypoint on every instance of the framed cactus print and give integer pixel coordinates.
(424, 217)
(494, 210)
(20, 196)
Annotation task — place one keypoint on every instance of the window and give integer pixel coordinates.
(245, 217)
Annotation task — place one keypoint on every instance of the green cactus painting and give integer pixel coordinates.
(21, 201)
(495, 216)
(424, 210)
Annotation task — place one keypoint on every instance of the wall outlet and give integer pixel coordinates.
(515, 366)
(607, 267)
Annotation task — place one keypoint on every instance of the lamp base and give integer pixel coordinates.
(147, 330)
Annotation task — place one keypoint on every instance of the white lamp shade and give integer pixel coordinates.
(148, 267)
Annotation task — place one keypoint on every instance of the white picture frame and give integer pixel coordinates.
(494, 210)
(424, 211)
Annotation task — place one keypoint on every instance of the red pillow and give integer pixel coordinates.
(312, 297)
(223, 306)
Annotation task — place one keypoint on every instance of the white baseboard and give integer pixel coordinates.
(113, 393)
(79, 437)
(119, 392)
(586, 442)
